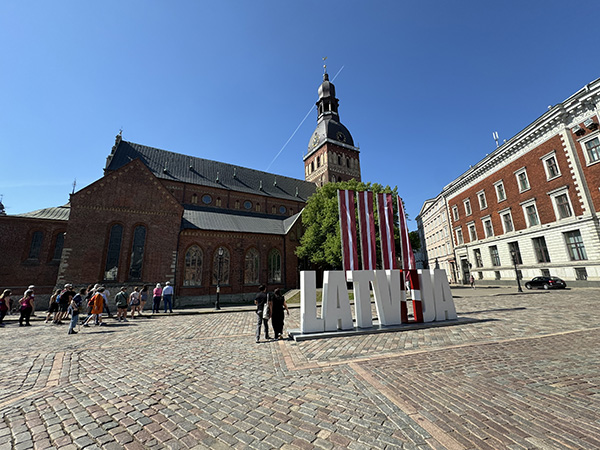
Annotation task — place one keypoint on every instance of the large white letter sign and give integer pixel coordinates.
(361, 283)
(309, 322)
(444, 303)
(427, 295)
(336, 304)
(389, 293)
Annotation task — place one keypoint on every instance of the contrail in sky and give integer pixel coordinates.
(298, 127)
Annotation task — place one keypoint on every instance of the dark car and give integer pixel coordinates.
(546, 283)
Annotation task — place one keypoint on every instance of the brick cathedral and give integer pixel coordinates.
(158, 216)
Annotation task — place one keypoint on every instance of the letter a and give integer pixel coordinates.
(336, 304)
(444, 303)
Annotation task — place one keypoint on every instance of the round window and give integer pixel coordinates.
(282, 209)
(248, 204)
(207, 199)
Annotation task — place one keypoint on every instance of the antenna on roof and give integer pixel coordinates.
(74, 184)
(495, 134)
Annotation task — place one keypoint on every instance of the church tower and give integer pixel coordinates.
(331, 154)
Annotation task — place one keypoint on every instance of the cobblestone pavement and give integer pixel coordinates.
(524, 374)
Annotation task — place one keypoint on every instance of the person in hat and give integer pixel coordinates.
(167, 295)
(64, 300)
(157, 295)
(74, 308)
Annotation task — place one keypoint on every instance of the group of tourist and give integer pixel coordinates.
(270, 306)
(93, 299)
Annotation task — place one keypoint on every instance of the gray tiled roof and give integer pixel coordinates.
(189, 169)
(235, 221)
(56, 213)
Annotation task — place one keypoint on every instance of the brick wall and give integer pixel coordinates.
(16, 270)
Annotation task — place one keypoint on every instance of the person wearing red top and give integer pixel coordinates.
(26, 307)
(157, 294)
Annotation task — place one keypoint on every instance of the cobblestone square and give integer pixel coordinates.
(524, 374)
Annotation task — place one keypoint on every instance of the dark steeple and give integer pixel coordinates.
(329, 127)
(327, 104)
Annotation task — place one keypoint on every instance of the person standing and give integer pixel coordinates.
(121, 301)
(134, 301)
(4, 305)
(472, 281)
(74, 308)
(278, 305)
(157, 294)
(53, 307)
(32, 289)
(167, 294)
(96, 304)
(143, 298)
(63, 303)
(26, 308)
(262, 311)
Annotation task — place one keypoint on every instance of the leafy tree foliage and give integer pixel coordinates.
(321, 242)
(415, 241)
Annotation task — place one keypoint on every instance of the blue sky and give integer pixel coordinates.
(423, 84)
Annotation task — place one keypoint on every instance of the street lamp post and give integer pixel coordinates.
(514, 258)
(220, 256)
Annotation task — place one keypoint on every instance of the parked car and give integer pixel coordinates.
(546, 283)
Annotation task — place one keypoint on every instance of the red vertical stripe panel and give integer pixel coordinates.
(386, 230)
(366, 222)
(348, 229)
(408, 257)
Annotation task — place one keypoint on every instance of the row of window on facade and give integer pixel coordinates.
(573, 241)
(522, 179)
(580, 274)
(193, 261)
(248, 205)
(592, 152)
(350, 163)
(221, 267)
(562, 209)
(35, 247)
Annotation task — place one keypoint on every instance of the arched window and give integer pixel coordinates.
(137, 253)
(112, 254)
(251, 267)
(36, 245)
(221, 266)
(58, 246)
(193, 267)
(274, 266)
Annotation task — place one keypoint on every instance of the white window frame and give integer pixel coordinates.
(586, 155)
(467, 205)
(496, 184)
(483, 221)
(455, 213)
(503, 213)
(460, 240)
(472, 231)
(522, 170)
(480, 196)
(545, 160)
(557, 193)
(525, 205)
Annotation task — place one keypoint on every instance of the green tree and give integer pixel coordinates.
(321, 243)
(415, 241)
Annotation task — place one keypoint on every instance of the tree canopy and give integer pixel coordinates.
(321, 242)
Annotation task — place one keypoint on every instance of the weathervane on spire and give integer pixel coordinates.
(324, 65)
